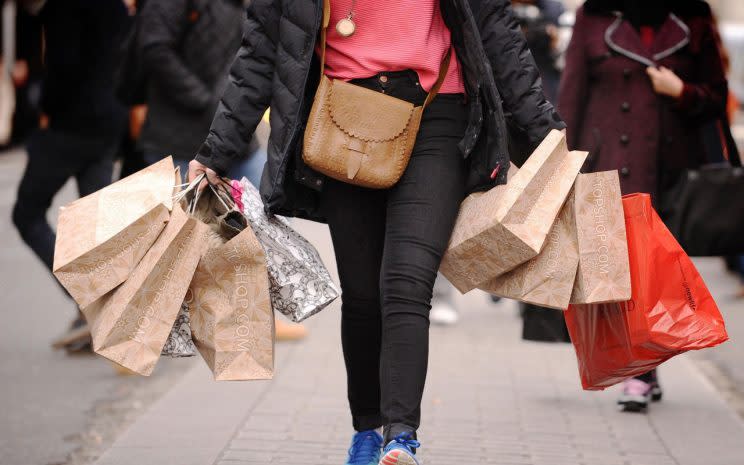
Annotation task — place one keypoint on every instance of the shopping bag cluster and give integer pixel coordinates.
(160, 268)
(551, 236)
(670, 312)
(566, 240)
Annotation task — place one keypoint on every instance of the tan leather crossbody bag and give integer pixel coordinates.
(357, 135)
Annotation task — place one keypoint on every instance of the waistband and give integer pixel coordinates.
(404, 85)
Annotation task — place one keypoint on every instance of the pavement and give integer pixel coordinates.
(55, 409)
(490, 397)
(724, 365)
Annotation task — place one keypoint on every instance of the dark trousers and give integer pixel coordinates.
(388, 245)
(53, 158)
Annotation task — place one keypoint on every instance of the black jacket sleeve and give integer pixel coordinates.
(248, 92)
(163, 27)
(516, 74)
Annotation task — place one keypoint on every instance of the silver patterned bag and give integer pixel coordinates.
(300, 285)
(179, 343)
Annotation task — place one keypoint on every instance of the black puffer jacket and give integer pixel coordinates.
(276, 66)
(188, 46)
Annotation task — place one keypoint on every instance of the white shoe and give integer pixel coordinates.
(443, 314)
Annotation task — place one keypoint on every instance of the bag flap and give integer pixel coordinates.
(532, 225)
(366, 114)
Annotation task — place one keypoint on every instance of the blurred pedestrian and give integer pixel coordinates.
(21, 37)
(740, 274)
(388, 242)
(130, 149)
(539, 21)
(641, 79)
(82, 119)
(187, 48)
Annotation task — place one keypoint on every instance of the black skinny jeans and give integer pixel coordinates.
(389, 244)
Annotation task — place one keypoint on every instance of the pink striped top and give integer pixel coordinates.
(392, 35)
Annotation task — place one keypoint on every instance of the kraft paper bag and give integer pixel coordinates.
(7, 103)
(131, 324)
(232, 321)
(102, 237)
(500, 229)
(548, 279)
(604, 270)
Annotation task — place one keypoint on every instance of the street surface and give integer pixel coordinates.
(54, 405)
(490, 397)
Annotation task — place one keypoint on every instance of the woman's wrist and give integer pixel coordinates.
(686, 98)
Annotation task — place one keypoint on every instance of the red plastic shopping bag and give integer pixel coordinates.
(671, 310)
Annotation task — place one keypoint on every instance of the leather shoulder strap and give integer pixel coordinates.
(443, 68)
(323, 33)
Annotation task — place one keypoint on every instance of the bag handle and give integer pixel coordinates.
(195, 193)
(326, 20)
(443, 67)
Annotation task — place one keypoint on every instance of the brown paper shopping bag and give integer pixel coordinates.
(102, 237)
(604, 272)
(548, 279)
(131, 324)
(232, 321)
(500, 229)
(7, 103)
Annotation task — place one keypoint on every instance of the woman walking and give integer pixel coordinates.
(388, 242)
(641, 79)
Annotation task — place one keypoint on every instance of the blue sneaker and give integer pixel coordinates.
(400, 451)
(365, 448)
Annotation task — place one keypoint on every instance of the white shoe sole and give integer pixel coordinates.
(397, 457)
(630, 403)
(443, 315)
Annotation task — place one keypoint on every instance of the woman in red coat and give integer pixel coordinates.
(641, 78)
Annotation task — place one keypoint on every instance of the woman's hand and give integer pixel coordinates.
(196, 169)
(19, 73)
(137, 115)
(665, 82)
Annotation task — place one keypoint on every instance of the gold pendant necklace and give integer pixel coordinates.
(345, 26)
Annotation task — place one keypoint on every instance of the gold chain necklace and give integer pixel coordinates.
(345, 26)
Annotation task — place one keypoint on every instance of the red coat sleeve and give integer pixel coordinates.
(705, 98)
